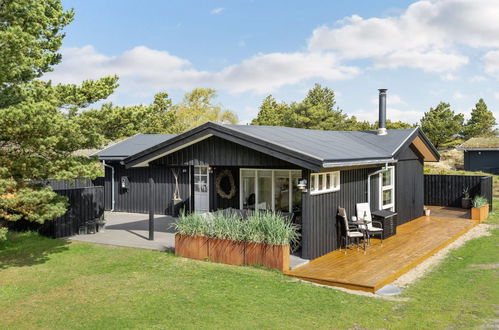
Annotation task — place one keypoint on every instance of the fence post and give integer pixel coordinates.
(487, 189)
(151, 209)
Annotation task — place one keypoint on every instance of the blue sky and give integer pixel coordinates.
(424, 52)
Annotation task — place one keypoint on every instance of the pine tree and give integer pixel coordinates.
(440, 124)
(481, 123)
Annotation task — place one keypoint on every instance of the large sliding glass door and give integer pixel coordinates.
(266, 189)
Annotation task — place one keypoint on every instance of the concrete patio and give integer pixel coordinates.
(132, 229)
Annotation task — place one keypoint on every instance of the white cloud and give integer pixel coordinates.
(448, 76)
(424, 36)
(407, 116)
(478, 78)
(496, 95)
(143, 67)
(241, 43)
(432, 61)
(391, 99)
(491, 61)
(217, 11)
(458, 95)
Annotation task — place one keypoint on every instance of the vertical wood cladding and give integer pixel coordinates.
(321, 229)
(136, 197)
(485, 161)
(217, 151)
(218, 201)
(409, 186)
(84, 204)
(447, 190)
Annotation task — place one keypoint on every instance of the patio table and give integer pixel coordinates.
(387, 219)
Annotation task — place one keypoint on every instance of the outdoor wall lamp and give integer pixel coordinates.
(302, 185)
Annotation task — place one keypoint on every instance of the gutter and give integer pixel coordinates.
(369, 182)
(112, 183)
(358, 162)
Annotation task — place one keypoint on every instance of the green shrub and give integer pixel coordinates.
(3, 234)
(480, 201)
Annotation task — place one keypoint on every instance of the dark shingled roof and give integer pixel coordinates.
(131, 146)
(330, 146)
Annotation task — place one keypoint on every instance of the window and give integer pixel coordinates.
(387, 189)
(324, 182)
(275, 190)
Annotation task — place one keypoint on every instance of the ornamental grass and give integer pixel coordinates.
(261, 227)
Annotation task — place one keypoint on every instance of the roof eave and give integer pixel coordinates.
(331, 164)
(476, 149)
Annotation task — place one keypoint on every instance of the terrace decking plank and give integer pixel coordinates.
(414, 242)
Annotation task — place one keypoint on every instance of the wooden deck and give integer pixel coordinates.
(414, 242)
(449, 212)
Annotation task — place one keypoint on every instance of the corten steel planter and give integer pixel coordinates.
(226, 251)
(276, 256)
(254, 253)
(480, 213)
(194, 247)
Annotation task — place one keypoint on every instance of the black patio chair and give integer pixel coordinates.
(351, 231)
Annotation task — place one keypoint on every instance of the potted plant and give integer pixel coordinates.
(480, 210)
(190, 239)
(466, 199)
(270, 235)
(101, 224)
(226, 243)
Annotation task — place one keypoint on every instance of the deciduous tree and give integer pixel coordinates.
(198, 107)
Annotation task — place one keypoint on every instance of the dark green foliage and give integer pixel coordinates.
(317, 111)
(481, 123)
(441, 124)
(40, 129)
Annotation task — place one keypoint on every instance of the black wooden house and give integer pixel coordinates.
(308, 172)
(481, 154)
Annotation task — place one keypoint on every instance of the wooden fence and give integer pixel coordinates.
(84, 204)
(447, 190)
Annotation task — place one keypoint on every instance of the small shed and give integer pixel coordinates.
(481, 154)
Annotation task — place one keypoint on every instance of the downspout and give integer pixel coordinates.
(369, 182)
(112, 183)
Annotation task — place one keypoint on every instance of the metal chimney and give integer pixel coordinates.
(382, 112)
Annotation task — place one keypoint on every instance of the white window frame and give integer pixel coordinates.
(391, 187)
(335, 177)
(256, 170)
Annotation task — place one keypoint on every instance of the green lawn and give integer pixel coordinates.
(54, 284)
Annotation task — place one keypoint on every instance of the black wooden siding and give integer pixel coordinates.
(485, 161)
(447, 190)
(215, 151)
(136, 197)
(321, 229)
(84, 204)
(217, 201)
(409, 187)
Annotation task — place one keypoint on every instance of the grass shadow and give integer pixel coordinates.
(29, 248)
